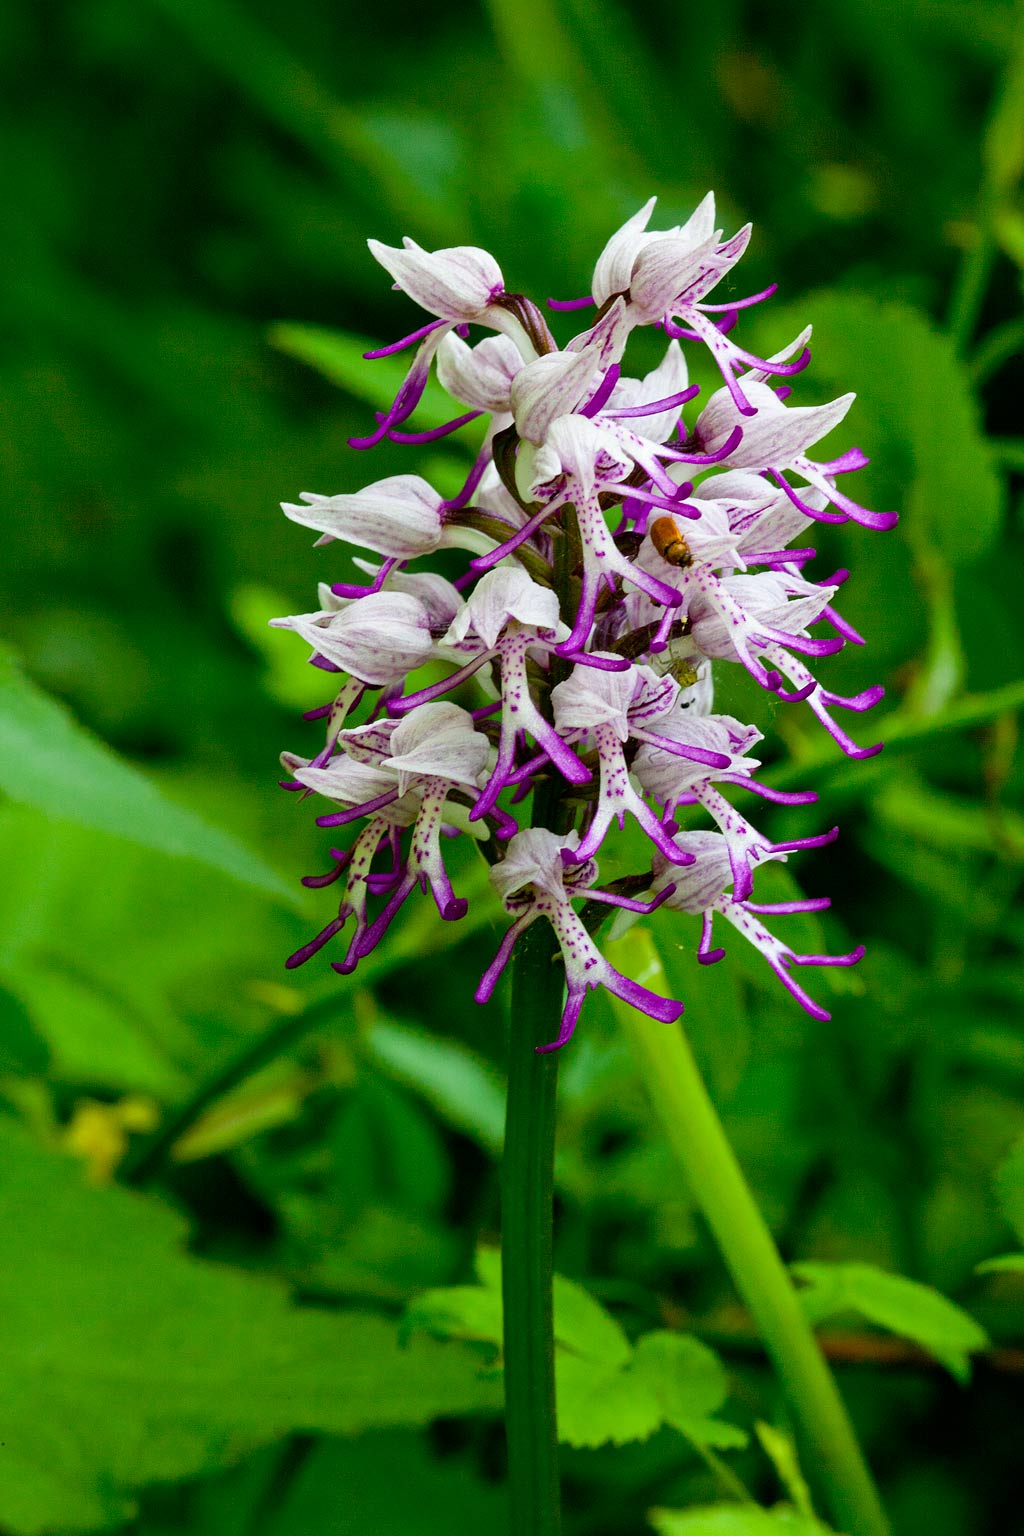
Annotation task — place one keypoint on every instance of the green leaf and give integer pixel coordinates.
(606, 1389)
(779, 1448)
(951, 823)
(386, 1484)
(688, 1382)
(472, 1313)
(462, 1087)
(1003, 145)
(23, 1051)
(735, 1520)
(903, 1306)
(1009, 1182)
(234, 42)
(1005, 1264)
(339, 357)
(93, 1034)
(50, 762)
(128, 1362)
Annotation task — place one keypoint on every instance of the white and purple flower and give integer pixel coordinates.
(618, 557)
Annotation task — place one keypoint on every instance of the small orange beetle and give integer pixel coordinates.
(669, 542)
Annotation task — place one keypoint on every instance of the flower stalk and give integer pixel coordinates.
(526, 1239)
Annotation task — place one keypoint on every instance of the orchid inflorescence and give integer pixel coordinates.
(614, 555)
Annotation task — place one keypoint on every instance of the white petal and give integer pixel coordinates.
(441, 741)
(665, 269)
(606, 338)
(398, 517)
(533, 857)
(668, 378)
(698, 884)
(585, 449)
(776, 435)
(701, 223)
(615, 263)
(590, 696)
(347, 781)
(378, 638)
(457, 283)
(549, 387)
(504, 594)
(479, 376)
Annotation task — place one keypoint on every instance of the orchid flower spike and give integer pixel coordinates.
(613, 547)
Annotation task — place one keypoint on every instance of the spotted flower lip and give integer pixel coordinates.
(629, 541)
(699, 890)
(533, 881)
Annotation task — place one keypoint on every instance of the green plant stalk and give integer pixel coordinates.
(696, 1137)
(526, 1238)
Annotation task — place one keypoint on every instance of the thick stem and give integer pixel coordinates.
(695, 1134)
(527, 1175)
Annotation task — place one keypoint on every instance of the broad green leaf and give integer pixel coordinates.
(735, 1520)
(471, 1313)
(128, 1362)
(607, 1391)
(128, 990)
(376, 380)
(92, 1033)
(50, 762)
(386, 1484)
(903, 1306)
(1009, 1183)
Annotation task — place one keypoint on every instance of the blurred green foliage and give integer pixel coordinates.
(187, 187)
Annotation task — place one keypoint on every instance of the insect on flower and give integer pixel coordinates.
(669, 542)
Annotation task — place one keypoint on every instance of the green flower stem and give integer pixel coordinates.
(526, 1220)
(527, 1208)
(695, 1134)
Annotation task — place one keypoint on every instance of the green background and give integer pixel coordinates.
(181, 176)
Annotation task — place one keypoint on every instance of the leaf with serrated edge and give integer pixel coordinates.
(903, 1306)
(606, 1390)
(128, 1362)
